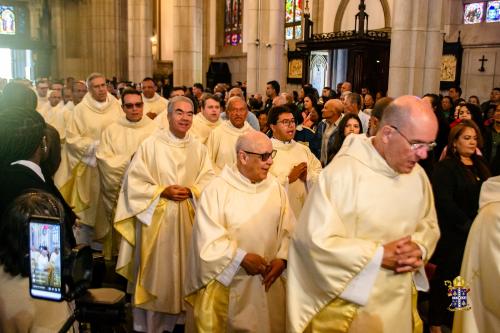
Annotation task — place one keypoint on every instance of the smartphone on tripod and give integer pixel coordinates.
(46, 271)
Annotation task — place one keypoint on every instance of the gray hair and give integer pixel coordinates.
(233, 100)
(177, 99)
(93, 76)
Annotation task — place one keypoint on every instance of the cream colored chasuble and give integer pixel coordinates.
(358, 205)
(221, 144)
(481, 265)
(78, 177)
(119, 142)
(157, 104)
(154, 230)
(202, 127)
(288, 156)
(54, 116)
(235, 214)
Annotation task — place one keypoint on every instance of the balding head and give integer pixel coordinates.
(346, 86)
(251, 151)
(332, 110)
(279, 100)
(236, 92)
(407, 130)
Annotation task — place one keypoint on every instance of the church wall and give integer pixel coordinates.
(477, 40)
(373, 9)
(140, 32)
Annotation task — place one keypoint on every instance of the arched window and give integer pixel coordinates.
(293, 19)
(233, 24)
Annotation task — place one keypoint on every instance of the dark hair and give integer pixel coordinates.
(448, 98)
(380, 106)
(14, 234)
(17, 94)
(183, 88)
(198, 85)
(477, 98)
(147, 78)
(206, 96)
(313, 99)
(340, 135)
(274, 113)
(21, 133)
(475, 113)
(356, 98)
(275, 85)
(457, 89)
(455, 132)
(130, 91)
(52, 159)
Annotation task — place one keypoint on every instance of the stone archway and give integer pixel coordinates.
(343, 5)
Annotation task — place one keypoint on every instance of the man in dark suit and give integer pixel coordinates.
(23, 147)
(322, 146)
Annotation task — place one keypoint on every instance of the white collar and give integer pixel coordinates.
(31, 165)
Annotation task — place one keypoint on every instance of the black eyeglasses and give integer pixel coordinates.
(264, 156)
(417, 145)
(131, 105)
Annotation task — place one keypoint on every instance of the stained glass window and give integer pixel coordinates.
(7, 20)
(293, 19)
(493, 11)
(233, 23)
(473, 12)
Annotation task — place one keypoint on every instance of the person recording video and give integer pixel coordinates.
(18, 311)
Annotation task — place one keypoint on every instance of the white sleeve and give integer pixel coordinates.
(419, 277)
(90, 156)
(227, 275)
(146, 216)
(358, 290)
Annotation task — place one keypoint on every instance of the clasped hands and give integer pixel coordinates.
(298, 172)
(402, 255)
(176, 193)
(255, 264)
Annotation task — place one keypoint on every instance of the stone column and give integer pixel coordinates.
(140, 31)
(264, 61)
(415, 47)
(187, 33)
(107, 37)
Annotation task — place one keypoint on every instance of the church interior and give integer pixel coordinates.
(386, 48)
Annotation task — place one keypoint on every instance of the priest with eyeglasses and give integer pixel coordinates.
(239, 246)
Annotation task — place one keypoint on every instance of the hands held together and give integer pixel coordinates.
(255, 264)
(176, 193)
(298, 172)
(402, 255)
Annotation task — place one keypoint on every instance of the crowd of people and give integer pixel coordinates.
(300, 212)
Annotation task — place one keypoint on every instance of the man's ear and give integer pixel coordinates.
(241, 157)
(386, 133)
(272, 127)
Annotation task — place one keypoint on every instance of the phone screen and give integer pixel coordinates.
(45, 258)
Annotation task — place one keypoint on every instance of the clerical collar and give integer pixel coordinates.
(280, 141)
(32, 166)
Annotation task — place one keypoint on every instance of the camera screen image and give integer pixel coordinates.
(45, 260)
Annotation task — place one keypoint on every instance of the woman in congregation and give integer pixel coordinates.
(456, 182)
(350, 124)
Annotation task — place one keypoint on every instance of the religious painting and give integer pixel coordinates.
(295, 69)
(448, 67)
(293, 19)
(8, 20)
(451, 65)
(473, 12)
(493, 11)
(233, 23)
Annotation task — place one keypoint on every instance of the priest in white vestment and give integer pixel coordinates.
(119, 142)
(54, 113)
(42, 89)
(356, 257)
(295, 165)
(78, 176)
(481, 265)
(240, 244)
(222, 141)
(154, 216)
(154, 104)
(208, 119)
(78, 90)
